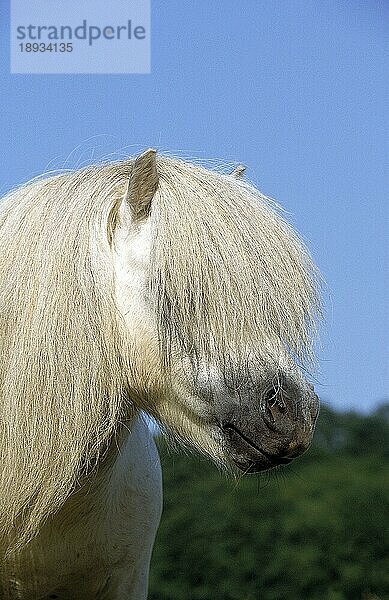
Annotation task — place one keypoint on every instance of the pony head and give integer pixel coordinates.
(218, 300)
(149, 284)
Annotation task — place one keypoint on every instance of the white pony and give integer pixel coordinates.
(150, 284)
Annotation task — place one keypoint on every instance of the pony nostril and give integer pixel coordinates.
(275, 408)
(270, 397)
(274, 400)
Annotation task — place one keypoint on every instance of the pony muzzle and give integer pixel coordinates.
(257, 440)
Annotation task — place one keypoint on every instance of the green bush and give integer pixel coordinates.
(315, 530)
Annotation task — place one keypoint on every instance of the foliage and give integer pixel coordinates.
(316, 530)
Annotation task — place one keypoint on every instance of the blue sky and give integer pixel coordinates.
(294, 89)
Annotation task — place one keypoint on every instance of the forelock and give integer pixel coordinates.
(228, 275)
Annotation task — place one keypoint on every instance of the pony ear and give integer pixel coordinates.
(238, 172)
(142, 184)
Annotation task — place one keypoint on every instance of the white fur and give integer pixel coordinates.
(128, 287)
(99, 544)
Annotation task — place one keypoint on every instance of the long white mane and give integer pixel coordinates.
(61, 377)
(228, 273)
(63, 382)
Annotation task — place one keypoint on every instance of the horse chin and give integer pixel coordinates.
(245, 455)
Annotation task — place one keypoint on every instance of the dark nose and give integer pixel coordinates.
(279, 409)
(259, 438)
(290, 417)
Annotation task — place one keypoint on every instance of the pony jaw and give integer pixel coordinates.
(250, 429)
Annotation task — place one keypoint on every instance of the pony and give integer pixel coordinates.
(147, 285)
